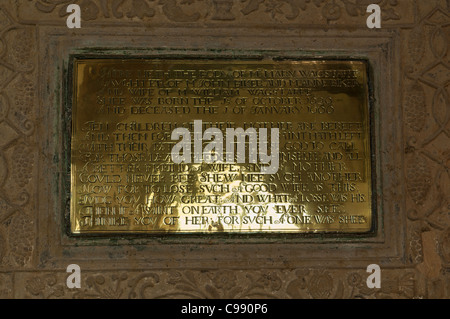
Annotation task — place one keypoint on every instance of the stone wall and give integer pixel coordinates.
(410, 59)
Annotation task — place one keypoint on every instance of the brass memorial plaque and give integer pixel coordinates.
(207, 146)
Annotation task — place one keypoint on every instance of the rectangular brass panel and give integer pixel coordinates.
(124, 178)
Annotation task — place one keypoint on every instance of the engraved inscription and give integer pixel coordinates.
(124, 179)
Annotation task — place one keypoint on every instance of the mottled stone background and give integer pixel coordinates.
(410, 60)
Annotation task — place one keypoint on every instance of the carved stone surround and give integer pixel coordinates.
(409, 57)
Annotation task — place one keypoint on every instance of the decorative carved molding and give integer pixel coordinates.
(18, 153)
(426, 105)
(302, 283)
(189, 11)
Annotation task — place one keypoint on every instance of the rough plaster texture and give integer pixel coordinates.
(410, 59)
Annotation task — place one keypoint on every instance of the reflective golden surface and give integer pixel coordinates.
(123, 179)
